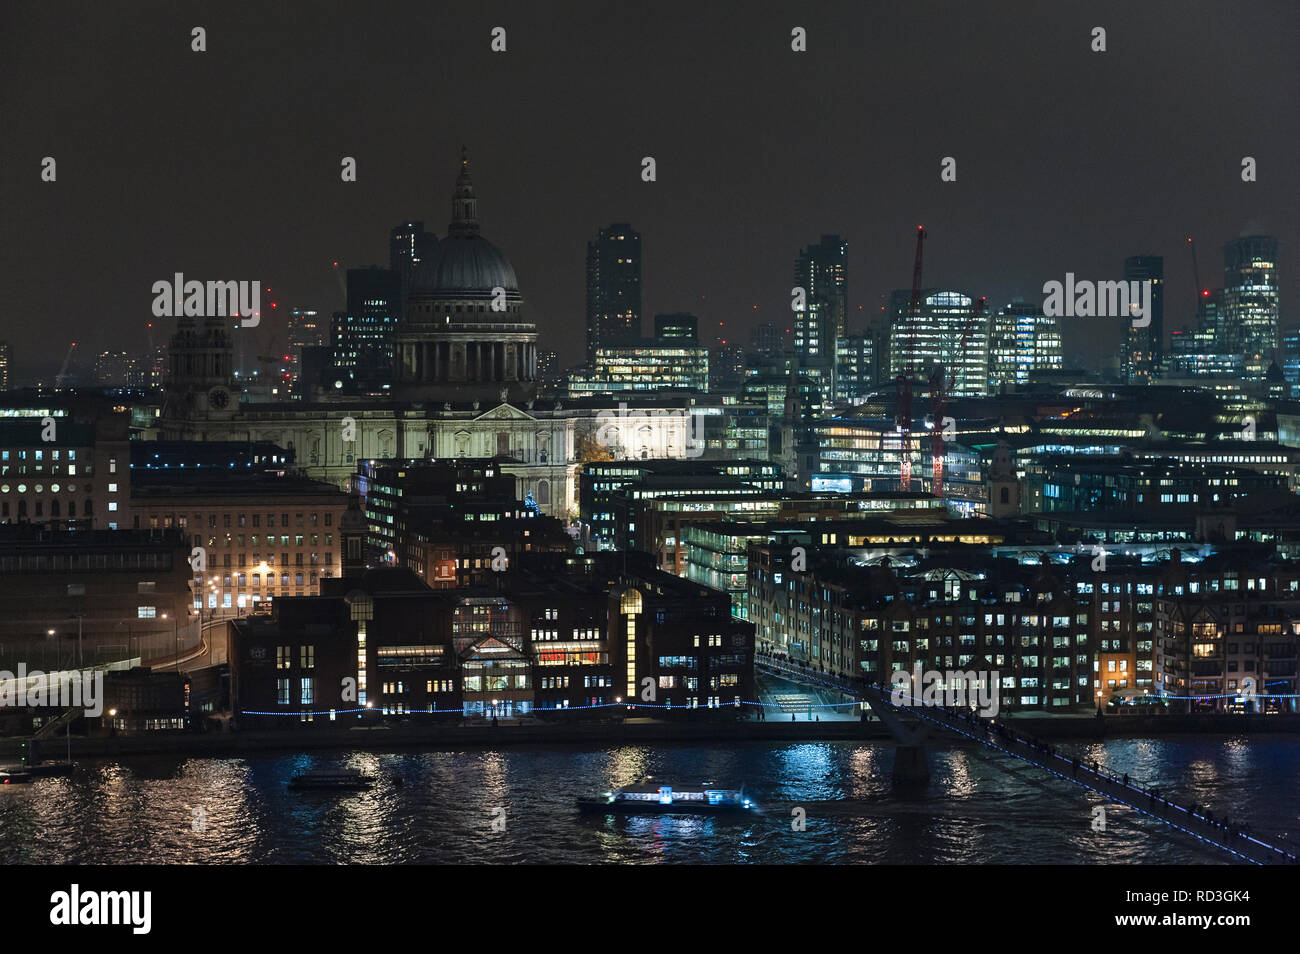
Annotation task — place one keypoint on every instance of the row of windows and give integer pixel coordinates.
(228, 521)
(9, 455)
(255, 539)
(306, 656)
(40, 488)
(20, 510)
(241, 560)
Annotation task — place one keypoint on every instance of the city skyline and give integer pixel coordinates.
(236, 206)
(745, 435)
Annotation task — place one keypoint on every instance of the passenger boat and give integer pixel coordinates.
(19, 773)
(653, 798)
(331, 779)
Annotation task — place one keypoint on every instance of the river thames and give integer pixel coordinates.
(980, 807)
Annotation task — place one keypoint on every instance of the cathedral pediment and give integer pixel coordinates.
(505, 412)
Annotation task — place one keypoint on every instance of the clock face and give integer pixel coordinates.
(219, 398)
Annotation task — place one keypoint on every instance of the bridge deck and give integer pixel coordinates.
(999, 736)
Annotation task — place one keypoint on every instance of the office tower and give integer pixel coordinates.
(945, 334)
(548, 365)
(820, 270)
(677, 327)
(149, 369)
(361, 338)
(855, 368)
(1142, 348)
(767, 339)
(726, 368)
(307, 329)
(4, 365)
(1213, 347)
(647, 365)
(314, 367)
(1250, 298)
(1289, 359)
(1212, 320)
(409, 245)
(1025, 341)
(613, 288)
(373, 291)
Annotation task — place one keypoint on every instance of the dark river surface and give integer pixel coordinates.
(980, 807)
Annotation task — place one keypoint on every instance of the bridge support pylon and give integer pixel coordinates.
(911, 767)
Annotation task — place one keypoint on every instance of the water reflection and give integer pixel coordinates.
(979, 808)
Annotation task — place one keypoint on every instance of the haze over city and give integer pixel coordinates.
(1067, 159)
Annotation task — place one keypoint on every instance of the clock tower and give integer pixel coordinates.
(200, 356)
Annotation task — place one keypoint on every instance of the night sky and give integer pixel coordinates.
(225, 164)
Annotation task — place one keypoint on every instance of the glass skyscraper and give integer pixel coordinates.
(1250, 298)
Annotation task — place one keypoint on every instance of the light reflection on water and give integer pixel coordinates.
(979, 807)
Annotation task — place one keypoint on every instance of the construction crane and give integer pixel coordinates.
(63, 371)
(1201, 293)
(903, 383)
(941, 386)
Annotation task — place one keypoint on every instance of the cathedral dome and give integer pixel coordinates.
(464, 266)
(458, 339)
